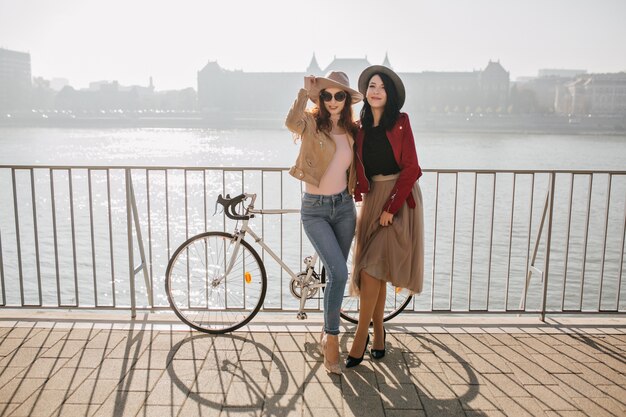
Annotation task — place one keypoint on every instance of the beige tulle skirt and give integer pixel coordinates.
(393, 253)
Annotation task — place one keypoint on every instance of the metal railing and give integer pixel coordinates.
(496, 241)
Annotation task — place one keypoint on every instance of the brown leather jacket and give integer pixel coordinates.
(317, 148)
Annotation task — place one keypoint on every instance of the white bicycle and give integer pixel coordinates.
(216, 282)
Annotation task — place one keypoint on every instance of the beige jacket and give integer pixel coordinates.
(317, 148)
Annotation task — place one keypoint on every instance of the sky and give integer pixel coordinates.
(129, 41)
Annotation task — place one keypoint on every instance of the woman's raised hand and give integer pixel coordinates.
(309, 82)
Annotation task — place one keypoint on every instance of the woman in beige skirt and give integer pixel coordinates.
(390, 233)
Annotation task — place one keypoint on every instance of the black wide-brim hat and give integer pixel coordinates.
(369, 72)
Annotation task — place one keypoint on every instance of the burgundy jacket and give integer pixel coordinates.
(403, 144)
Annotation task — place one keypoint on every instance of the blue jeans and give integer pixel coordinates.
(329, 222)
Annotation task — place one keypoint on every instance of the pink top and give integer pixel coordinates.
(335, 179)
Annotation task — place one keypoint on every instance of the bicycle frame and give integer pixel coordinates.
(309, 261)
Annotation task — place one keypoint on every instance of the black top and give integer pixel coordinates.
(378, 156)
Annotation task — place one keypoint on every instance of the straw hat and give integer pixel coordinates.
(368, 72)
(336, 79)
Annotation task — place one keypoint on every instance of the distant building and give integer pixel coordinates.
(15, 80)
(272, 93)
(561, 73)
(598, 94)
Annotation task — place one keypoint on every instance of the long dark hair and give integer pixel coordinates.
(391, 110)
(346, 118)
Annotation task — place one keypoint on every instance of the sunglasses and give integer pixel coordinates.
(339, 96)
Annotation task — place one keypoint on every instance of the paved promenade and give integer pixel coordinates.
(433, 367)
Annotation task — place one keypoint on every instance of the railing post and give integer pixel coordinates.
(546, 272)
(129, 232)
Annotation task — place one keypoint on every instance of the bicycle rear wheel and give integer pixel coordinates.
(397, 299)
(200, 292)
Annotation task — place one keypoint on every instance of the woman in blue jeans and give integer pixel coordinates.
(325, 164)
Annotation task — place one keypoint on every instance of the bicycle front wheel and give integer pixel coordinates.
(215, 284)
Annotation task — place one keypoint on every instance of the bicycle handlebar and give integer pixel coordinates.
(230, 204)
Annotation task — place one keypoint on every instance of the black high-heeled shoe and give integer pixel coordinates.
(379, 353)
(351, 361)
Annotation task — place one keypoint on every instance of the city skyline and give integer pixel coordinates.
(86, 42)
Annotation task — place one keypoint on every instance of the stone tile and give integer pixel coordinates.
(128, 349)
(576, 386)
(399, 396)
(280, 383)
(255, 352)
(552, 398)
(64, 349)
(405, 413)
(82, 334)
(21, 357)
(359, 384)
(287, 405)
(252, 371)
(167, 340)
(152, 359)
(113, 369)
(40, 405)
(121, 403)
(44, 367)
(241, 412)
(185, 369)
(485, 413)
(105, 340)
(482, 363)
(159, 410)
(44, 339)
(87, 358)
(140, 380)
(550, 413)
(166, 393)
(575, 354)
(217, 359)
(530, 373)
(599, 406)
(292, 342)
(211, 380)
(556, 364)
(9, 345)
(321, 412)
(22, 333)
(7, 409)
(370, 406)
(8, 373)
(19, 389)
(322, 395)
(209, 407)
(196, 349)
(439, 407)
(475, 397)
(244, 395)
(434, 386)
(512, 354)
(505, 385)
(520, 407)
(597, 373)
(93, 391)
(75, 410)
(459, 373)
(68, 379)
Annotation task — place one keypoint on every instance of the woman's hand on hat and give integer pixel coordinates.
(309, 82)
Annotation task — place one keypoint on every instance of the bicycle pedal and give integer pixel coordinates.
(301, 315)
